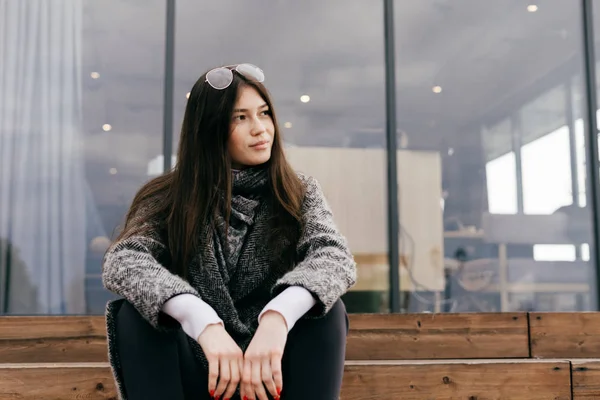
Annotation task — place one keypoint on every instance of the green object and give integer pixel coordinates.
(363, 301)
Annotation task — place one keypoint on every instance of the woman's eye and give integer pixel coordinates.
(266, 112)
(239, 118)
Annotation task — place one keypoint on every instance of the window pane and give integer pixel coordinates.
(80, 120)
(547, 173)
(331, 52)
(502, 184)
(494, 90)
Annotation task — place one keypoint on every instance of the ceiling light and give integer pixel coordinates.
(113, 171)
(287, 125)
(187, 95)
(437, 89)
(305, 98)
(450, 151)
(106, 127)
(532, 8)
(95, 75)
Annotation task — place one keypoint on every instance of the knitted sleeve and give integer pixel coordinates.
(132, 269)
(326, 268)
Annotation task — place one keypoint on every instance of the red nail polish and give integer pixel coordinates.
(278, 392)
(212, 393)
(245, 397)
(217, 397)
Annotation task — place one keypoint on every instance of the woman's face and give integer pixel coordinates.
(251, 131)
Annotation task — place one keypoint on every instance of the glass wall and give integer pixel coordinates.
(489, 105)
(326, 75)
(81, 103)
(494, 201)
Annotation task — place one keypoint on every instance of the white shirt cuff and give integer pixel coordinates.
(193, 313)
(292, 304)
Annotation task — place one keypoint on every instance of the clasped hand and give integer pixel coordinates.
(258, 371)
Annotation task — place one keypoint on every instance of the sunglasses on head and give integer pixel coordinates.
(220, 78)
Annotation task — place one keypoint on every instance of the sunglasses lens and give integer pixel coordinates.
(251, 72)
(219, 78)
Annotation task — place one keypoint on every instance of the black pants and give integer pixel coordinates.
(161, 366)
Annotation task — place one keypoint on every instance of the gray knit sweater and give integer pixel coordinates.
(235, 276)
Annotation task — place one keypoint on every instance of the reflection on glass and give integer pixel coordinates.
(547, 173)
(494, 213)
(80, 102)
(516, 231)
(502, 184)
(324, 66)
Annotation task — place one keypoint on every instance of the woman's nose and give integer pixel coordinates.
(257, 127)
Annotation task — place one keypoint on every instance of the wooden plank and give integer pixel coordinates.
(53, 339)
(565, 335)
(480, 379)
(372, 336)
(437, 336)
(57, 382)
(586, 379)
(420, 380)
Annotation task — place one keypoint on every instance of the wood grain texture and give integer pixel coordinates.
(372, 336)
(407, 380)
(586, 379)
(57, 382)
(565, 335)
(53, 339)
(437, 336)
(473, 380)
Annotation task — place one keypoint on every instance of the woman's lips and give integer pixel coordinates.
(263, 144)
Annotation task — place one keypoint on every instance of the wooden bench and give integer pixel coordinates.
(371, 337)
(470, 356)
(417, 379)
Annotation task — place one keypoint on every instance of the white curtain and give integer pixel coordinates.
(42, 191)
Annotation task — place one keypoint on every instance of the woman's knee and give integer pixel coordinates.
(339, 315)
(315, 353)
(332, 326)
(133, 329)
(339, 318)
(129, 318)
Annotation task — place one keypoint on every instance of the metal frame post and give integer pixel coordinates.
(392, 173)
(591, 135)
(168, 86)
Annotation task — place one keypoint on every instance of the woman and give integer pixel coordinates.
(230, 266)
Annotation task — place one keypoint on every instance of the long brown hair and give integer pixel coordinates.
(178, 203)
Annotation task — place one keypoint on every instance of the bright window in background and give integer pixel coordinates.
(546, 166)
(501, 176)
(554, 252)
(546, 170)
(585, 252)
(580, 155)
(546, 173)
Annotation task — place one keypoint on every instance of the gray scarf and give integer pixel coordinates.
(248, 187)
(230, 266)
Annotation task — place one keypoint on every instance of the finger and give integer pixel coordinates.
(224, 377)
(213, 375)
(257, 383)
(277, 373)
(246, 392)
(247, 381)
(267, 377)
(234, 381)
